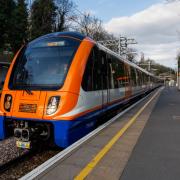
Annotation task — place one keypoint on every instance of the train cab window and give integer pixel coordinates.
(43, 64)
(3, 72)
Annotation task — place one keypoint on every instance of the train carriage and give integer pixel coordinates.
(59, 85)
(3, 71)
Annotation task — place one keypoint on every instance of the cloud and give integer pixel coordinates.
(156, 30)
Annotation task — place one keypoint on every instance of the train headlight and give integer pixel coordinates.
(53, 104)
(7, 102)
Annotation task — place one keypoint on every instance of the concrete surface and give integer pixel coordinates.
(157, 154)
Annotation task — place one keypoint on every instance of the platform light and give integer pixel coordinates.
(52, 105)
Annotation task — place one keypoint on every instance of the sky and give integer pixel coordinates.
(153, 23)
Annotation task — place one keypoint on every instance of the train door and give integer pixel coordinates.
(95, 81)
(128, 87)
(104, 79)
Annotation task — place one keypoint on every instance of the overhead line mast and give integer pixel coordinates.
(120, 44)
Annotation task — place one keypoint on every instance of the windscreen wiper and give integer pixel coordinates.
(28, 90)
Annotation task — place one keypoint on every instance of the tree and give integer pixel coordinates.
(43, 13)
(20, 25)
(6, 22)
(65, 9)
(155, 68)
(90, 26)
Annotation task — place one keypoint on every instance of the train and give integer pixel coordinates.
(4, 66)
(60, 85)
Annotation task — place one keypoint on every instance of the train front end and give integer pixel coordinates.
(42, 85)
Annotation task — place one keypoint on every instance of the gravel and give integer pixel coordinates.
(20, 169)
(9, 151)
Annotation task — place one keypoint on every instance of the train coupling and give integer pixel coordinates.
(27, 134)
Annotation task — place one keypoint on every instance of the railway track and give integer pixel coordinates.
(14, 162)
(19, 166)
(4, 167)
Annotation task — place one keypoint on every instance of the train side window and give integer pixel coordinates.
(141, 74)
(110, 72)
(133, 76)
(104, 69)
(87, 82)
(127, 74)
(144, 78)
(99, 60)
(120, 74)
(147, 79)
(116, 72)
(139, 77)
(92, 78)
(115, 69)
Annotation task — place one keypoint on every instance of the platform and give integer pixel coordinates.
(141, 144)
(157, 153)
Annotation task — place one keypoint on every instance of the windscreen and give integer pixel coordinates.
(3, 72)
(44, 64)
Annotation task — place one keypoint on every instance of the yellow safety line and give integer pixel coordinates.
(90, 166)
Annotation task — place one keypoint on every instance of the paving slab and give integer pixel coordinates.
(157, 153)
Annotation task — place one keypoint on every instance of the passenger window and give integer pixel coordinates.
(97, 70)
(127, 74)
(110, 73)
(120, 74)
(104, 70)
(87, 82)
(133, 76)
(92, 78)
(115, 69)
